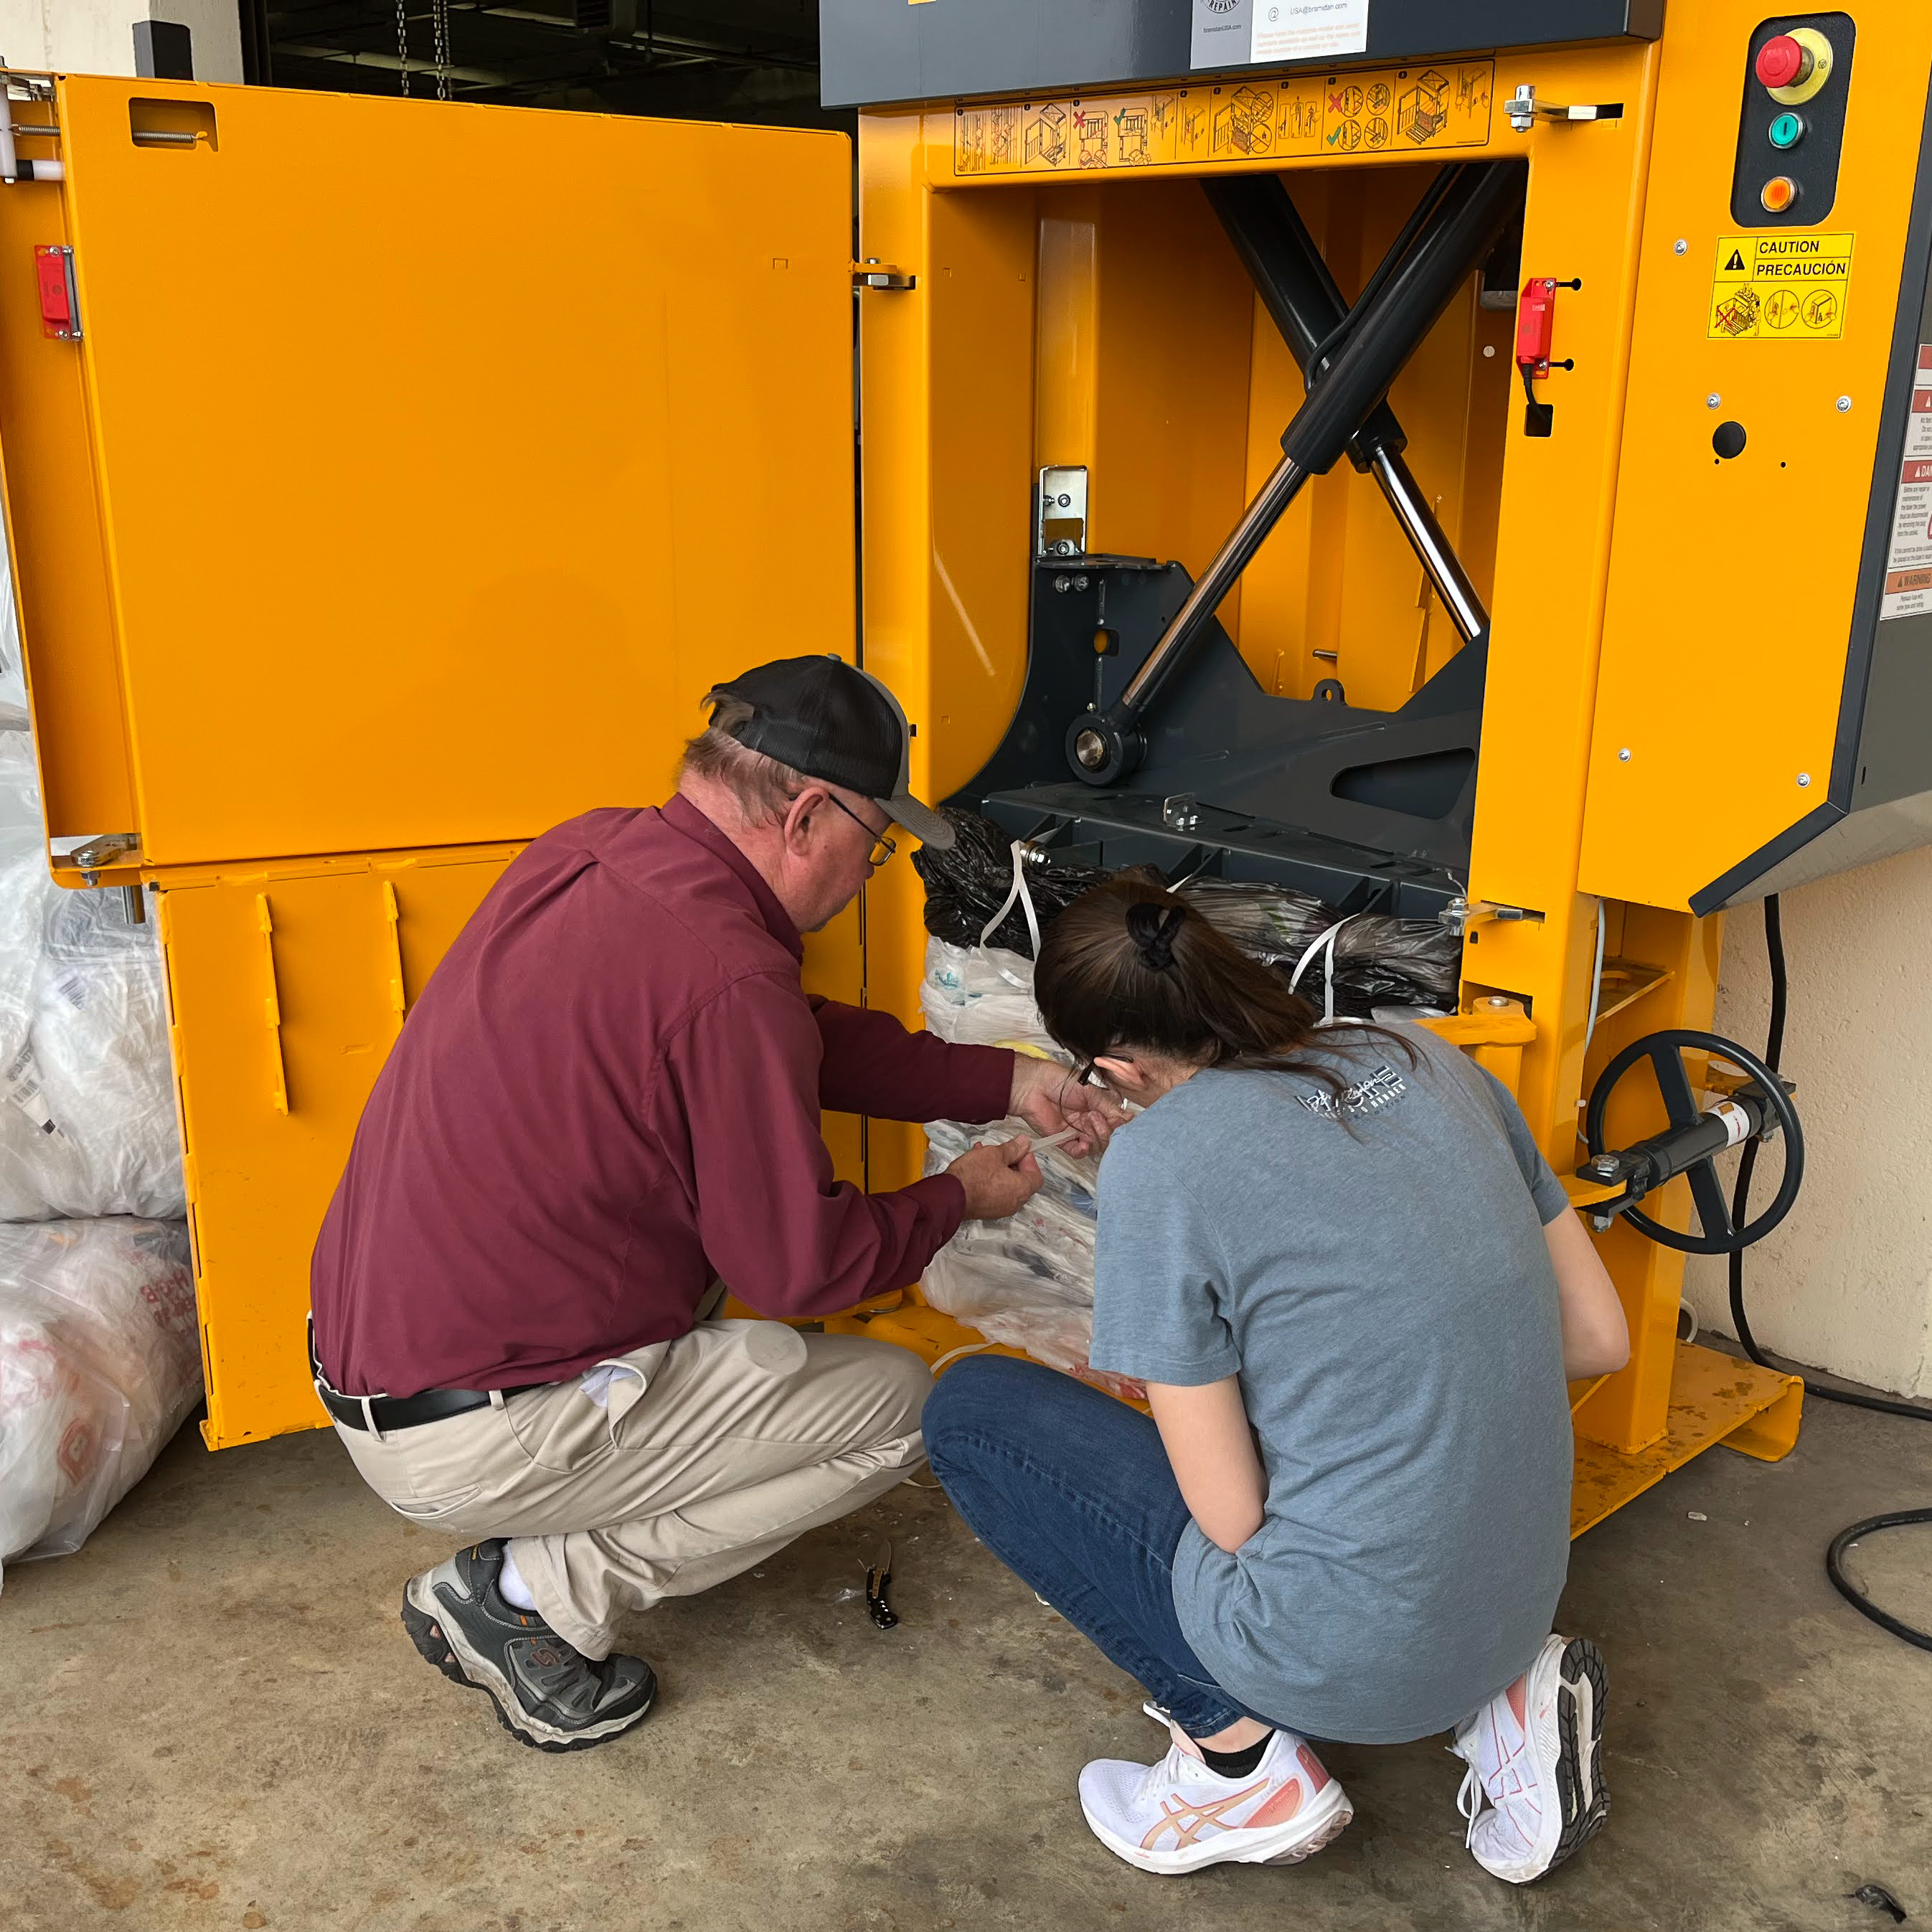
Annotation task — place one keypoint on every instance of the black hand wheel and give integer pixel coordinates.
(1665, 1051)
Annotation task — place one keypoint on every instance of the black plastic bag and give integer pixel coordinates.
(965, 886)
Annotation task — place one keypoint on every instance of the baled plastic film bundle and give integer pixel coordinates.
(100, 1364)
(87, 1114)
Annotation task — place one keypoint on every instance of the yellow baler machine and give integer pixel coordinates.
(386, 479)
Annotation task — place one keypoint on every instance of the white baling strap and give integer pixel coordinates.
(1326, 940)
(1017, 891)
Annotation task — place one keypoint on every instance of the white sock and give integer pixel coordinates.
(511, 1586)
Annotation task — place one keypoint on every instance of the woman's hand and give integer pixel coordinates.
(1046, 1097)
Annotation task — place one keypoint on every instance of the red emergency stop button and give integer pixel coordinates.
(1783, 61)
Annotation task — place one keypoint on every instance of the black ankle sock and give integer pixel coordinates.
(1236, 1764)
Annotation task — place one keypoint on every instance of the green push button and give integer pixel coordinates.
(1787, 130)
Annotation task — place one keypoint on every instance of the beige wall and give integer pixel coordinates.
(97, 36)
(1845, 1284)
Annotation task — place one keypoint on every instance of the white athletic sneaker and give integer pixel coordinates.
(1177, 1815)
(1534, 1791)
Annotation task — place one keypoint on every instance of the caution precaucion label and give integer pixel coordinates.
(1908, 563)
(1790, 288)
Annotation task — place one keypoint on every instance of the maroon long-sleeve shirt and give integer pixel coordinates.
(608, 1096)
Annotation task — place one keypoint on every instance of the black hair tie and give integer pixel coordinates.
(1152, 928)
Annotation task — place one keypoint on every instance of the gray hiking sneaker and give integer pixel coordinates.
(546, 1693)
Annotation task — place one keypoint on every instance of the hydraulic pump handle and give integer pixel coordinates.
(1690, 1145)
(1261, 220)
(1450, 248)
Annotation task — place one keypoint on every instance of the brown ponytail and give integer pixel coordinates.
(1130, 966)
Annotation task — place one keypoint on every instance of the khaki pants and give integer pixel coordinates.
(709, 1452)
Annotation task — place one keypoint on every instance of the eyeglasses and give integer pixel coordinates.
(883, 847)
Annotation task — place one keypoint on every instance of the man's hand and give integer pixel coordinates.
(998, 1177)
(1046, 1095)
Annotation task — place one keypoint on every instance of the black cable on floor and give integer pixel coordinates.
(1773, 947)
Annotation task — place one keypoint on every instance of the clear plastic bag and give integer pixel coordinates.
(981, 996)
(13, 662)
(87, 1109)
(1027, 1281)
(100, 1364)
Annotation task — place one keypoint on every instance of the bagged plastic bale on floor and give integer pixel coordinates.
(100, 1364)
(87, 1109)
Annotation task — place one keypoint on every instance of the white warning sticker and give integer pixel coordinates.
(1908, 563)
(1293, 30)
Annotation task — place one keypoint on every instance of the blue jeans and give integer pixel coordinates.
(1073, 1491)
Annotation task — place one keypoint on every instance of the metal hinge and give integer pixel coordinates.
(112, 848)
(1459, 915)
(14, 166)
(872, 273)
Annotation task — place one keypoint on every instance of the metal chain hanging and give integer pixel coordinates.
(440, 16)
(402, 41)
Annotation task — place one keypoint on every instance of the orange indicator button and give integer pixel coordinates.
(1780, 192)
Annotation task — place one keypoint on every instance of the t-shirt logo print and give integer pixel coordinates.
(1366, 1096)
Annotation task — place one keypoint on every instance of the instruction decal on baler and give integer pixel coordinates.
(1388, 110)
(1908, 563)
(1773, 288)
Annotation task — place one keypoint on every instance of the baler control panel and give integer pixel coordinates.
(1797, 78)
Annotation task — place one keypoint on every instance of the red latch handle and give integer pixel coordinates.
(60, 313)
(1535, 326)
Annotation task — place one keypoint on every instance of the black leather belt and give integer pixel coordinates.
(405, 1411)
(383, 1413)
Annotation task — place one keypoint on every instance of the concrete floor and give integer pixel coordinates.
(212, 1719)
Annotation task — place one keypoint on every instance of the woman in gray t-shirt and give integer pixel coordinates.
(1354, 1289)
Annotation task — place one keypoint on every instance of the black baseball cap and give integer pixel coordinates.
(831, 720)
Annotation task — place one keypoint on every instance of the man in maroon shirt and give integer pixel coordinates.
(605, 1104)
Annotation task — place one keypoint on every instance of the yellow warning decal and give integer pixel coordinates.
(1390, 110)
(1781, 288)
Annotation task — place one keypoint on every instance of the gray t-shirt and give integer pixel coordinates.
(1383, 1290)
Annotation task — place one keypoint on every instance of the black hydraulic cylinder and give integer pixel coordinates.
(1474, 210)
(1646, 1164)
(1268, 233)
(1293, 281)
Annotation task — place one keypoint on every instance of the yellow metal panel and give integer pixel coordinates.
(284, 982)
(53, 536)
(1730, 597)
(1713, 1398)
(445, 455)
(281, 981)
